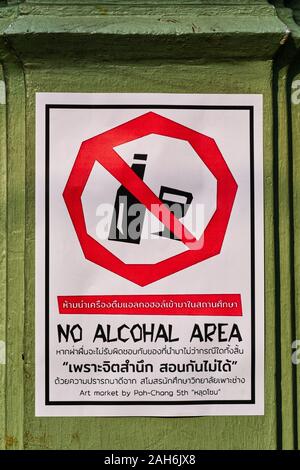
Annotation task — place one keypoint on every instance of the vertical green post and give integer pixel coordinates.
(2, 257)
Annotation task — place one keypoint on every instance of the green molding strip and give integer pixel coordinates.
(15, 251)
(287, 69)
(111, 32)
(2, 258)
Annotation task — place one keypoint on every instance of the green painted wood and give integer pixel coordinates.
(288, 64)
(294, 158)
(224, 29)
(212, 47)
(15, 245)
(295, 155)
(2, 257)
(282, 220)
(174, 433)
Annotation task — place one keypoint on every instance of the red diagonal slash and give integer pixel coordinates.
(101, 148)
(118, 168)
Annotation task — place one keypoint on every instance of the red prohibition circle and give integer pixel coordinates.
(101, 149)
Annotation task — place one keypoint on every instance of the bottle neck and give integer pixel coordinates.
(139, 169)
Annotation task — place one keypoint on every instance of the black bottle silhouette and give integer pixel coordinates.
(121, 229)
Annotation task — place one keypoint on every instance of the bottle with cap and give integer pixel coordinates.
(129, 213)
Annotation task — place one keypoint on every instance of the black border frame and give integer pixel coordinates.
(48, 107)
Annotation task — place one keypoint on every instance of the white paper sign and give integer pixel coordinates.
(149, 255)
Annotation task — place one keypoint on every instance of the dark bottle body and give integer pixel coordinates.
(129, 213)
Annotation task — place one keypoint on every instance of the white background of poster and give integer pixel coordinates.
(71, 274)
